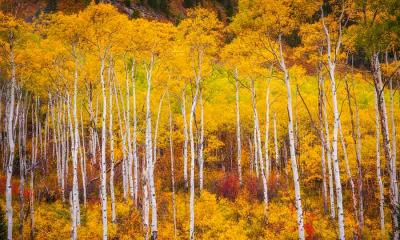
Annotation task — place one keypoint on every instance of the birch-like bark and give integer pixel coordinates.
(103, 174)
(134, 145)
(277, 160)
(336, 121)
(111, 136)
(156, 130)
(266, 144)
(83, 162)
(73, 193)
(321, 123)
(263, 169)
(10, 139)
(149, 153)
(328, 150)
(238, 138)
(299, 209)
(186, 139)
(128, 134)
(198, 72)
(32, 169)
(201, 143)
(348, 172)
(394, 193)
(378, 169)
(356, 135)
(22, 133)
(255, 148)
(124, 150)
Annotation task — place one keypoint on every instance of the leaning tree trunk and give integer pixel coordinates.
(356, 135)
(348, 172)
(394, 193)
(259, 149)
(296, 181)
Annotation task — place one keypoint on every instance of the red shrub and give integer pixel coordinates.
(229, 186)
(310, 231)
(254, 187)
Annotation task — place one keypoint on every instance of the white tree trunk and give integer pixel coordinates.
(149, 153)
(83, 162)
(259, 148)
(266, 144)
(394, 193)
(124, 150)
(329, 157)
(277, 160)
(111, 136)
(10, 139)
(300, 221)
(134, 146)
(73, 193)
(201, 143)
(128, 140)
(103, 174)
(192, 148)
(238, 139)
(186, 139)
(378, 169)
(348, 172)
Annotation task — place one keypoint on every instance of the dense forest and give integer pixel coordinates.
(255, 119)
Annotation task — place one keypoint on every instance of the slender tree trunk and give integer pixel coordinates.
(192, 148)
(201, 143)
(186, 139)
(277, 160)
(103, 174)
(300, 222)
(134, 145)
(348, 172)
(149, 153)
(83, 162)
(73, 193)
(394, 193)
(356, 135)
(266, 144)
(335, 158)
(111, 136)
(321, 121)
(22, 168)
(129, 142)
(124, 151)
(378, 169)
(255, 148)
(331, 60)
(259, 149)
(238, 140)
(10, 139)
